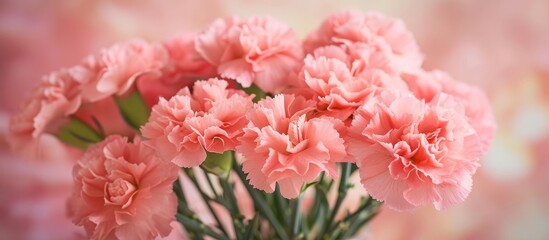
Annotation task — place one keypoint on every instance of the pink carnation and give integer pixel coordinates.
(427, 85)
(185, 60)
(56, 101)
(343, 78)
(123, 191)
(185, 67)
(262, 51)
(410, 153)
(283, 145)
(44, 111)
(116, 69)
(386, 35)
(187, 125)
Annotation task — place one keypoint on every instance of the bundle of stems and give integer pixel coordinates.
(275, 217)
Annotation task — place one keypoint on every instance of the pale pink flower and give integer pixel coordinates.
(185, 67)
(410, 153)
(283, 145)
(386, 35)
(260, 51)
(45, 110)
(343, 78)
(427, 85)
(185, 60)
(187, 125)
(54, 103)
(363, 58)
(123, 190)
(115, 70)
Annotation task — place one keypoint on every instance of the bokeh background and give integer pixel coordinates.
(499, 45)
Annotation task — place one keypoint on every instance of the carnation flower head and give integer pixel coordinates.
(45, 109)
(184, 58)
(411, 153)
(283, 145)
(187, 125)
(343, 78)
(386, 35)
(123, 190)
(428, 84)
(59, 100)
(115, 70)
(257, 50)
(183, 68)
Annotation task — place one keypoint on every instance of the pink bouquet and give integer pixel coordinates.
(244, 131)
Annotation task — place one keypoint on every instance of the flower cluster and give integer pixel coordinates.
(352, 93)
(88, 92)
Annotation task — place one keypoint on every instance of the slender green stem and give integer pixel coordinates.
(281, 205)
(297, 215)
(182, 206)
(252, 226)
(192, 225)
(341, 193)
(364, 206)
(232, 207)
(206, 199)
(260, 203)
(356, 221)
(211, 185)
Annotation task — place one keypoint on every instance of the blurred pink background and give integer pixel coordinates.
(500, 45)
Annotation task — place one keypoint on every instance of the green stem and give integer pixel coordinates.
(356, 221)
(252, 226)
(194, 226)
(296, 216)
(206, 199)
(341, 193)
(211, 186)
(281, 205)
(260, 203)
(182, 206)
(364, 206)
(232, 207)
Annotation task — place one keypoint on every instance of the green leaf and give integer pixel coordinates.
(218, 164)
(254, 89)
(78, 134)
(133, 109)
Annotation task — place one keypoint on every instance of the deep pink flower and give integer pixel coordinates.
(283, 145)
(123, 191)
(262, 51)
(386, 35)
(410, 153)
(187, 125)
(427, 85)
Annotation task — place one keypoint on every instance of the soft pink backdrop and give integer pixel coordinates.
(500, 45)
